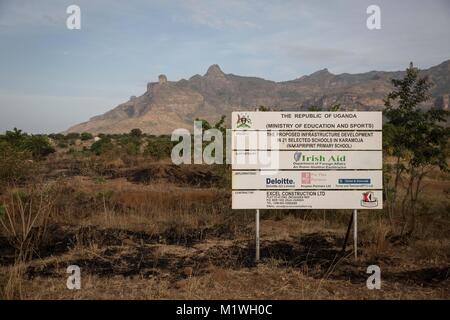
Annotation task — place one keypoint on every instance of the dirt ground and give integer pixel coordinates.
(166, 232)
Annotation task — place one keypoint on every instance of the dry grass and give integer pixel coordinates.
(24, 225)
(163, 240)
(264, 282)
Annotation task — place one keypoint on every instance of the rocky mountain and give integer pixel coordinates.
(167, 105)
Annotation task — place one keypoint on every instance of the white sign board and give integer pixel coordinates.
(320, 180)
(307, 160)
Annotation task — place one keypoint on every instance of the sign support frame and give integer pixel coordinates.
(257, 236)
(355, 232)
(257, 230)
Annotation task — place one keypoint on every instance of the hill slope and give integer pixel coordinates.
(167, 105)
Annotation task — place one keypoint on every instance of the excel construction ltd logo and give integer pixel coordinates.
(369, 200)
(243, 121)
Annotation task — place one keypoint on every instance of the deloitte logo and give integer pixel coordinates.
(280, 182)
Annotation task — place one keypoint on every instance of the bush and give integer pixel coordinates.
(15, 138)
(38, 145)
(86, 136)
(25, 218)
(101, 146)
(130, 144)
(57, 136)
(62, 145)
(13, 164)
(159, 149)
(73, 136)
(136, 132)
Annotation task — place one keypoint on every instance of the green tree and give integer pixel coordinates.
(130, 144)
(159, 148)
(416, 138)
(15, 137)
(14, 165)
(86, 136)
(334, 107)
(220, 124)
(314, 108)
(136, 132)
(263, 108)
(57, 136)
(102, 145)
(38, 145)
(73, 136)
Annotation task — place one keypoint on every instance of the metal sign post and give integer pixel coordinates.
(257, 228)
(257, 236)
(355, 232)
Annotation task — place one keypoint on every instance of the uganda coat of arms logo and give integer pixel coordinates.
(243, 121)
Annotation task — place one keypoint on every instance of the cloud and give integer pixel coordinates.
(220, 14)
(30, 14)
(303, 52)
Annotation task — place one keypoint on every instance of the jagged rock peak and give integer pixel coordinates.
(321, 72)
(214, 71)
(162, 79)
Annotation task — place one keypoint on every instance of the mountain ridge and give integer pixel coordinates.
(167, 105)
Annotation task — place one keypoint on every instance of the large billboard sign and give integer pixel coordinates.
(307, 160)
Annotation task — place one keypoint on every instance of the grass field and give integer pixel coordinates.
(147, 229)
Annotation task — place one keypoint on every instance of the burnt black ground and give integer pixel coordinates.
(127, 253)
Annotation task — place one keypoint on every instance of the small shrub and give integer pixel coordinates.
(25, 219)
(101, 146)
(85, 136)
(136, 132)
(38, 145)
(158, 149)
(2, 211)
(14, 164)
(73, 136)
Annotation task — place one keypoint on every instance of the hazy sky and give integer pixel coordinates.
(52, 77)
